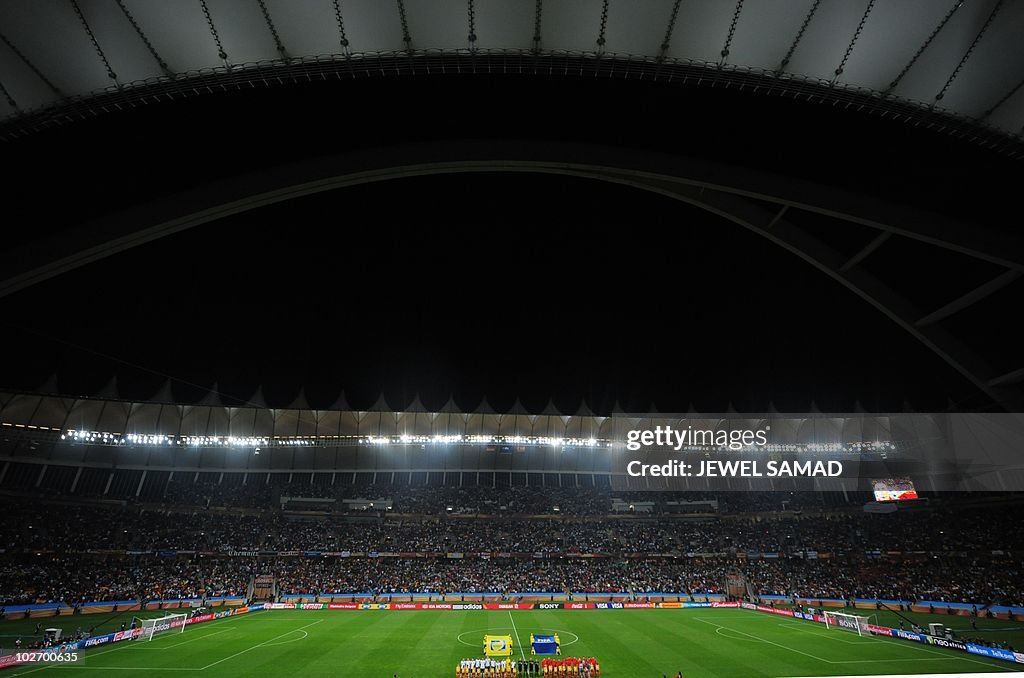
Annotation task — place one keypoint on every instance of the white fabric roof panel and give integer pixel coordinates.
(304, 31)
(875, 46)
(505, 23)
(307, 423)
(328, 422)
(389, 424)
(263, 423)
(242, 421)
(142, 417)
(170, 420)
(53, 412)
(219, 423)
(372, 26)
(369, 423)
(766, 30)
(286, 422)
(348, 424)
(826, 38)
(84, 415)
(437, 23)
(114, 416)
(20, 408)
(700, 30)
(571, 24)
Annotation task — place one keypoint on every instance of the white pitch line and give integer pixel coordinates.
(305, 634)
(194, 637)
(128, 643)
(942, 655)
(803, 628)
(521, 651)
(821, 659)
(750, 635)
(260, 645)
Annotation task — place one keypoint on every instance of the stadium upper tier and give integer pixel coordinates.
(951, 65)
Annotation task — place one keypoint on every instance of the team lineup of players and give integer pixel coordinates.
(507, 668)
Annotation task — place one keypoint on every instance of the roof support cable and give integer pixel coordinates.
(213, 32)
(95, 43)
(920, 50)
(471, 21)
(343, 38)
(145, 40)
(853, 40)
(32, 67)
(732, 32)
(602, 29)
(1006, 97)
(799, 36)
(667, 40)
(406, 37)
(970, 50)
(273, 30)
(538, 12)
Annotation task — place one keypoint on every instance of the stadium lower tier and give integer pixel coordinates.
(77, 580)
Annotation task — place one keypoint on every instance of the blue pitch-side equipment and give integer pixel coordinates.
(545, 644)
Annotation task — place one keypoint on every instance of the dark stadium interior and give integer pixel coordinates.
(402, 384)
(502, 285)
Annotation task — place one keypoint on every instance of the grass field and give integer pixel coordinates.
(722, 643)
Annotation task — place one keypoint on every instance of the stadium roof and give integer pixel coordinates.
(955, 64)
(38, 416)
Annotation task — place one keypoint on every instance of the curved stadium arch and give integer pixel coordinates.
(736, 195)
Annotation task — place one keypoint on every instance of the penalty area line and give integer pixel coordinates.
(161, 648)
(129, 643)
(264, 643)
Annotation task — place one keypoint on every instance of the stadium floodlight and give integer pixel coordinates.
(170, 623)
(846, 622)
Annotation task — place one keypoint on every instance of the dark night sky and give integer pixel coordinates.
(483, 285)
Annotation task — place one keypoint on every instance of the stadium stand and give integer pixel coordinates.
(58, 551)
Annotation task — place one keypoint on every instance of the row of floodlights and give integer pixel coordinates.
(106, 438)
(406, 439)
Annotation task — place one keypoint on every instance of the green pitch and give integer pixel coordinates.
(726, 643)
